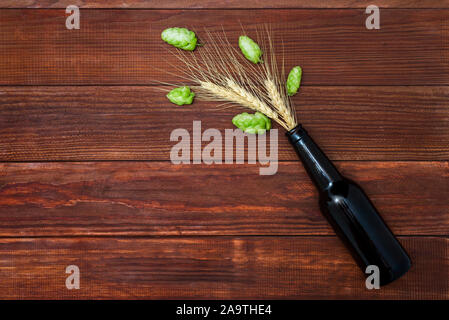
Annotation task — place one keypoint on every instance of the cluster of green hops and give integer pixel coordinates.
(180, 38)
(181, 96)
(252, 123)
(250, 49)
(294, 80)
(185, 39)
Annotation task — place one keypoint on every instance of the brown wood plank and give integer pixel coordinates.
(124, 46)
(134, 123)
(158, 198)
(197, 4)
(211, 268)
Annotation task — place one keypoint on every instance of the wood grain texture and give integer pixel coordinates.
(124, 46)
(156, 230)
(211, 268)
(198, 4)
(135, 123)
(158, 198)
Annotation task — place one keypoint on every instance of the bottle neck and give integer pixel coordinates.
(318, 166)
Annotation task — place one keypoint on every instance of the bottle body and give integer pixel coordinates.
(358, 224)
(350, 212)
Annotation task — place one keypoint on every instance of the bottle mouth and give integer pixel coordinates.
(296, 134)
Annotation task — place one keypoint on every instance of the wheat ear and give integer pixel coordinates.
(252, 101)
(279, 103)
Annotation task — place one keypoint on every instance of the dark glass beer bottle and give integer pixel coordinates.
(351, 213)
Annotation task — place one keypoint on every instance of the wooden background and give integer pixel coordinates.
(85, 176)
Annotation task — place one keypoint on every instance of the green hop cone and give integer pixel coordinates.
(181, 96)
(250, 49)
(181, 38)
(252, 123)
(294, 80)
